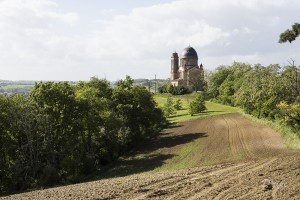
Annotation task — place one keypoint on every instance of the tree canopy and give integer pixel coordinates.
(62, 132)
(271, 92)
(290, 34)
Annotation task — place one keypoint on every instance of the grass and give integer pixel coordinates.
(182, 158)
(183, 115)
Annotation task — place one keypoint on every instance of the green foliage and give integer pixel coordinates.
(178, 104)
(290, 113)
(290, 34)
(181, 115)
(169, 108)
(198, 105)
(174, 90)
(61, 132)
(265, 92)
(226, 81)
(178, 90)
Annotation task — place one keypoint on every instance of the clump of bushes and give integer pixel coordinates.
(174, 90)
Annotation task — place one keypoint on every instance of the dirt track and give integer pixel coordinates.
(246, 161)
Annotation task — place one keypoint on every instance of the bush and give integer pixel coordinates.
(178, 90)
(163, 89)
(174, 90)
(198, 105)
(168, 108)
(178, 104)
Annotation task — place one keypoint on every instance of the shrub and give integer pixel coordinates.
(198, 105)
(178, 104)
(168, 107)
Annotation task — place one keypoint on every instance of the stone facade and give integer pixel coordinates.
(185, 70)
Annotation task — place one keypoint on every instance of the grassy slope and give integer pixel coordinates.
(183, 115)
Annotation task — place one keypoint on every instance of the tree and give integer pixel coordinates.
(260, 91)
(215, 80)
(290, 34)
(198, 105)
(290, 113)
(62, 142)
(8, 145)
(226, 81)
(178, 104)
(291, 74)
(137, 111)
(98, 124)
(169, 108)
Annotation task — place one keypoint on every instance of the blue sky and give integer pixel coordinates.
(78, 39)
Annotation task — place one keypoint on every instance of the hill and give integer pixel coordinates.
(219, 157)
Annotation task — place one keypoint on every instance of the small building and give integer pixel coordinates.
(185, 70)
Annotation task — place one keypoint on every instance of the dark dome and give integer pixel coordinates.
(189, 52)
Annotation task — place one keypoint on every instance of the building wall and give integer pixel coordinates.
(188, 63)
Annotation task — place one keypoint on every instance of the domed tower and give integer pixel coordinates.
(185, 70)
(189, 58)
(174, 66)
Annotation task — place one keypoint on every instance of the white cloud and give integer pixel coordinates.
(153, 31)
(32, 40)
(40, 41)
(226, 30)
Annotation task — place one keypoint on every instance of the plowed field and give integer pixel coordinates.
(224, 157)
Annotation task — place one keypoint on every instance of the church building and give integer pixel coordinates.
(185, 70)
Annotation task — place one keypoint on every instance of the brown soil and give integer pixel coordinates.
(231, 158)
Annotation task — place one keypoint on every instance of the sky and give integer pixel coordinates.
(77, 39)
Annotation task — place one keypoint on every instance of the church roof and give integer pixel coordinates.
(189, 52)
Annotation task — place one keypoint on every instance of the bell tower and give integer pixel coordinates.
(174, 66)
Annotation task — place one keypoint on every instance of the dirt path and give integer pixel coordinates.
(246, 161)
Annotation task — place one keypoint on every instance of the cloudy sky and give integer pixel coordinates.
(78, 39)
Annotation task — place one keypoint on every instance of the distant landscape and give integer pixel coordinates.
(8, 87)
(15, 87)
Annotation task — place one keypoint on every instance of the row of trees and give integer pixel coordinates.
(272, 92)
(62, 132)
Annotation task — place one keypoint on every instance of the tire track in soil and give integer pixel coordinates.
(222, 177)
(244, 146)
(188, 177)
(223, 180)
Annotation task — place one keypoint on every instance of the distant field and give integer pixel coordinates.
(11, 87)
(16, 88)
(183, 115)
